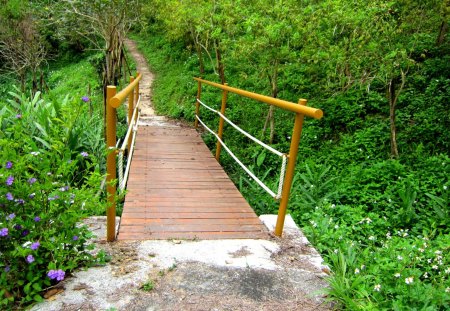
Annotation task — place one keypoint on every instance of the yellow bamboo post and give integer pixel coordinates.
(296, 133)
(111, 165)
(221, 122)
(130, 111)
(136, 91)
(197, 104)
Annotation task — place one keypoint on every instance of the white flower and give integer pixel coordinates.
(445, 187)
(377, 287)
(425, 275)
(363, 267)
(409, 280)
(372, 238)
(447, 290)
(399, 257)
(447, 271)
(35, 153)
(397, 275)
(336, 227)
(313, 223)
(26, 244)
(421, 250)
(335, 251)
(333, 205)
(438, 252)
(434, 267)
(356, 271)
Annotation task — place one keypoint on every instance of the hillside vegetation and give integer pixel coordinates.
(371, 187)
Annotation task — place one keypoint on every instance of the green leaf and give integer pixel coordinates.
(260, 159)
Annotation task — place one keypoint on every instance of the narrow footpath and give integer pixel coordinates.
(192, 275)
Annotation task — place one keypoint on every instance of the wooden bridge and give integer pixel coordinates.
(176, 188)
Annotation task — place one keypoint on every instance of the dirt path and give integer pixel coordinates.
(146, 82)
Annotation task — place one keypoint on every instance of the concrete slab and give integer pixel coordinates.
(276, 274)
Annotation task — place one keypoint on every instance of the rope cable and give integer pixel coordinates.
(258, 181)
(256, 140)
(271, 149)
(132, 127)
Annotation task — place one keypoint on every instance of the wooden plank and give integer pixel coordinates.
(167, 215)
(190, 235)
(189, 221)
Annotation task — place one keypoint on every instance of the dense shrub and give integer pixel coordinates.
(49, 176)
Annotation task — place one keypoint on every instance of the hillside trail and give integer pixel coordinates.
(148, 115)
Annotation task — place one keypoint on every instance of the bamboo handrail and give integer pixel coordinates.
(114, 100)
(307, 111)
(300, 111)
(120, 97)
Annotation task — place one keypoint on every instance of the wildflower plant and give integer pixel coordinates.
(42, 202)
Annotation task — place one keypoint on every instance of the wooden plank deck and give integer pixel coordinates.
(177, 190)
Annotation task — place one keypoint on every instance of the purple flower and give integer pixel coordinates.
(8, 165)
(84, 154)
(65, 188)
(75, 238)
(25, 232)
(55, 197)
(9, 180)
(9, 196)
(37, 219)
(4, 232)
(7, 268)
(35, 245)
(31, 196)
(20, 201)
(18, 227)
(32, 180)
(85, 99)
(19, 116)
(30, 258)
(56, 275)
(11, 216)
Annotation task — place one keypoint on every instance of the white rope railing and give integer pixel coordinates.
(278, 153)
(132, 127)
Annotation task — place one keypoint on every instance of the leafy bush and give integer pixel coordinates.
(49, 179)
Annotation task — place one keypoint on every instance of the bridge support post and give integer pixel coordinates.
(290, 170)
(197, 104)
(110, 165)
(221, 122)
(131, 98)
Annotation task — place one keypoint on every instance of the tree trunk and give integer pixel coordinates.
(220, 67)
(270, 120)
(393, 95)
(200, 59)
(392, 103)
(442, 33)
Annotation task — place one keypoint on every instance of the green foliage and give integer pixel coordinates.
(358, 206)
(148, 286)
(50, 184)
